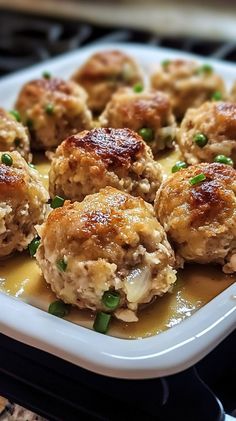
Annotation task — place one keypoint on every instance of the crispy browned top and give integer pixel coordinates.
(107, 217)
(103, 64)
(10, 180)
(36, 87)
(115, 147)
(206, 201)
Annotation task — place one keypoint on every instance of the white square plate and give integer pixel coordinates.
(166, 353)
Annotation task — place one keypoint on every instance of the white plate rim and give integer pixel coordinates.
(166, 353)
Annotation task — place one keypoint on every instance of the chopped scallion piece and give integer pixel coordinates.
(197, 179)
(59, 309)
(111, 299)
(61, 265)
(165, 63)
(7, 159)
(101, 322)
(57, 202)
(33, 246)
(179, 166)
(15, 114)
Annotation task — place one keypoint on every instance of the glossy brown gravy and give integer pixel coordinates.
(196, 286)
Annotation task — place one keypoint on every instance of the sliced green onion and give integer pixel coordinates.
(146, 133)
(31, 165)
(197, 179)
(205, 68)
(165, 63)
(222, 159)
(217, 96)
(7, 159)
(61, 265)
(101, 322)
(57, 202)
(179, 166)
(59, 309)
(33, 246)
(46, 75)
(29, 123)
(17, 142)
(49, 109)
(138, 87)
(15, 114)
(200, 139)
(111, 299)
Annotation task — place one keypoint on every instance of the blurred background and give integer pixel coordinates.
(31, 31)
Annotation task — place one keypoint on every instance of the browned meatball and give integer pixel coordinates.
(188, 83)
(53, 109)
(23, 204)
(109, 241)
(13, 135)
(148, 110)
(103, 73)
(199, 214)
(90, 160)
(208, 131)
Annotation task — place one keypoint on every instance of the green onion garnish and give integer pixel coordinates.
(15, 114)
(33, 246)
(197, 179)
(46, 74)
(222, 159)
(61, 265)
(217, 96)
(179, 166)
(200, 139)
(49, 109)
(101, 322)
(7, 159)
(59, 309)
(111, 299)
(205, 68)
(138, 87)
(165, 63)
(146, 133)
(57, 202)
(31, 165)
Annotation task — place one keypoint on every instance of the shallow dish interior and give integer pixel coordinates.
(182, 344)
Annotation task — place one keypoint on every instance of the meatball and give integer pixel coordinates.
(109, 241)
(199, 217)
(90, 160)
(23, 203)
(188, 84)
(145, 111)
(53, 109)
(103, 73)
(208, 131)
(13, 135)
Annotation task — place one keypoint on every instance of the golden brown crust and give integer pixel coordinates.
(225, 113)
(115, 147)
(10, 180)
